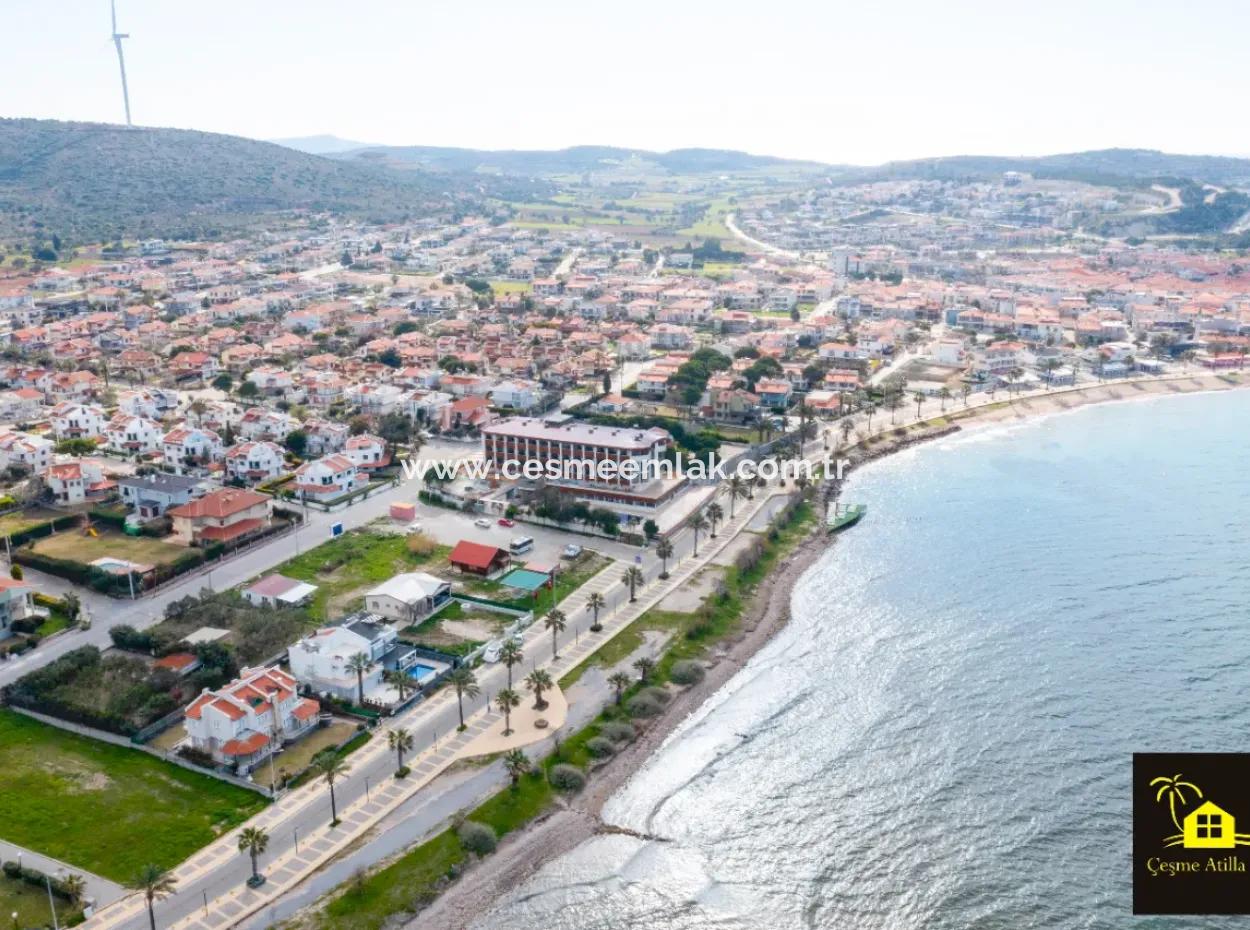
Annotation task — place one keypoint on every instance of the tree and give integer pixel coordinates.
(223, 382)
(399, 680)
(297, 442)
(15, 572)
(516, 764)
(739, 489)
(715, 513)
(399, 741)
(511, 654)
(155, 884)
(538, 681)
(329, 766)
(650, 528)
(248, 390)
(506, 700)
(619, 682)
(664, 549)
(607, 382)
(918, 397)
(645, 666)
(944, 395)
(846, 428)
(360, 663)
(596, 602)
(698, 523)
(893, 402)
(254, 841)
(465, 683)
(634, 578)
(870, 409)
(555, 621)
(75, 887)
(358, 426)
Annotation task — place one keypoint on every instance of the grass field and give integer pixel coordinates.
(504, 288)
(346, 567)
(105, 808)
(30, 904)
(25, 519)
(73, 545)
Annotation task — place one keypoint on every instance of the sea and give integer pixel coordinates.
(942, 736)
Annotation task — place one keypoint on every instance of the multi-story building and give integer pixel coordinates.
(246, 720)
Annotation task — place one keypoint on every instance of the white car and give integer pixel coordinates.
(572, 551)
(414, 526)
(482, 522)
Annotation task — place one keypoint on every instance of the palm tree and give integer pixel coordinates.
(596, 602)
(75, 886)
(539, 681)
(893, 402)
(664, 548)
(944, 395)
(870, 409)
(516, 763)
(254, 841)
(645, 666)
(1013, 377)
(465, 683)
(398, 680)
(399, 741)
(329, 765)
(801, 481)
(738, 490)
(511, 654)
(698, 523)
(619, 682)
(715, 513)
(846, 428)
(359, 663)
(505, 700)
(555, 621)
(1174, 788)
(155, 884)
(71, 604)
(634, 578)
(965, 391)
(918, 397)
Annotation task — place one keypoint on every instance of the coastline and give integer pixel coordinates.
(522, 854)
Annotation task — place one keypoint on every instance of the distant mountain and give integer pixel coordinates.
(576, 160)
(1101, 166)
(92, 181)
(321, 145)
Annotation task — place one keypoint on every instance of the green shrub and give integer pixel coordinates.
(477, 838)
(567, 778)
(600, 747)
(618, 731)
(686, 672)
(644, 705)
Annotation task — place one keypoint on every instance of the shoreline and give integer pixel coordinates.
(522, 854)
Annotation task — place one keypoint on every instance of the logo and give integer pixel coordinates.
(1188, 857)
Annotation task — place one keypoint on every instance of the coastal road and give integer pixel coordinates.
(214, 876)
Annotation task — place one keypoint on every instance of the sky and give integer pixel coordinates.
(859, 83)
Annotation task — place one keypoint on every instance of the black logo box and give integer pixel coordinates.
(1224, 779)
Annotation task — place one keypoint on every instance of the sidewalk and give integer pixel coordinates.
(286, 868)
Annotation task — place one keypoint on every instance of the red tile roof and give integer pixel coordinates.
(474, 555)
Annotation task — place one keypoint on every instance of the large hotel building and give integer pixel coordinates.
(515, 441)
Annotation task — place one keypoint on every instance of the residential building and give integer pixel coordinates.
(221, 517)
(242, 723)
(409, 597)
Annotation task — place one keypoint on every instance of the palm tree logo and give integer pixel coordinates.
(1174, 789)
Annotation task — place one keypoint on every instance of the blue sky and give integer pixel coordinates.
(840, 82)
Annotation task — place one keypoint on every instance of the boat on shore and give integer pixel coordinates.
(840, 516)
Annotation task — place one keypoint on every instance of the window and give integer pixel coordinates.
(1210, 827)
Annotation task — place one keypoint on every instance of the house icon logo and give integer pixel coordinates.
(1190, 854)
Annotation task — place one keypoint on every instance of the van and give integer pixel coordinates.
(521, 544)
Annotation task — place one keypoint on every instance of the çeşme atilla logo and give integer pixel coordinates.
(1188, 857)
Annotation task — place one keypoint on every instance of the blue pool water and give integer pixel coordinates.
(420, 671)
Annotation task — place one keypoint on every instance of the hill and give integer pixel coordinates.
(92, 181)
(576, 160)
(321, 145)
(1104, 166)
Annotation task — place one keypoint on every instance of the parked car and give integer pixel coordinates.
(572, 551)
(482, 522)
(414, 526)
(504, 521)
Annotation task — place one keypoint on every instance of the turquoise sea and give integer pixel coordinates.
(942, 736)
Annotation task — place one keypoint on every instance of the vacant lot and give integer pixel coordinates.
(346, 567)
(30, 905)
(106, 808)
(458, 628)
(73, 545)
(25, 519)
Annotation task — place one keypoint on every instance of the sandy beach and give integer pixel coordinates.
(522, 854)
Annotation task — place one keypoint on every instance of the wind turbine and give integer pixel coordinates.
(121, 59)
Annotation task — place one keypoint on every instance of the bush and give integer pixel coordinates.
(420, 545)
(566, 778)
(600, 747)
(15, 572)
(644, 705)
(477, 838)
(618, 731)
(657, 694)
(686, 672)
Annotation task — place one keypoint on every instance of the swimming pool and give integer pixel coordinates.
(420, 671)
